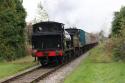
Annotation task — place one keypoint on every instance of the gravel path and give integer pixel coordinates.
(59, 75)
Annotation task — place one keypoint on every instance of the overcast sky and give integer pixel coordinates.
(89, 15)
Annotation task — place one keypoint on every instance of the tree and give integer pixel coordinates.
(41, 14)
(12, 24)
(118, 22)
(29, 31)
(101, 35)
(118, 35)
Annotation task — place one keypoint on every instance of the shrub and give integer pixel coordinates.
(119, 51)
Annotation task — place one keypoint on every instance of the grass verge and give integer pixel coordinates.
(10, 68)
(98, 68)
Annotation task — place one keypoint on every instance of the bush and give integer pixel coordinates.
(119, 52)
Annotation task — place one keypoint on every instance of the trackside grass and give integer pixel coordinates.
(10, 68)
(98, 68)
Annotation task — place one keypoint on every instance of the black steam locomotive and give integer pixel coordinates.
(52, 44)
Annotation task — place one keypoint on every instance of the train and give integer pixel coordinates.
(53, 44)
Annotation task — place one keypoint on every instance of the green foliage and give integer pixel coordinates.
(118, 35)
(12, 24)
(118, 22)
(119, 50)
(100, 54)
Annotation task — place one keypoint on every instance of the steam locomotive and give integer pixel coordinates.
(53, 44)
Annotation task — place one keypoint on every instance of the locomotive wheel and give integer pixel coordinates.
(66, 58)
(43, 63)
(76, 54)
(63, 60)
(69, 56)
(72, 55)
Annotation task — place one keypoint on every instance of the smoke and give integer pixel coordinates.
(89, 15)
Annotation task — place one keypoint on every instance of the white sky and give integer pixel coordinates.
(89, 15)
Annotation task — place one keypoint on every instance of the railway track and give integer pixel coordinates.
(31, 76)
